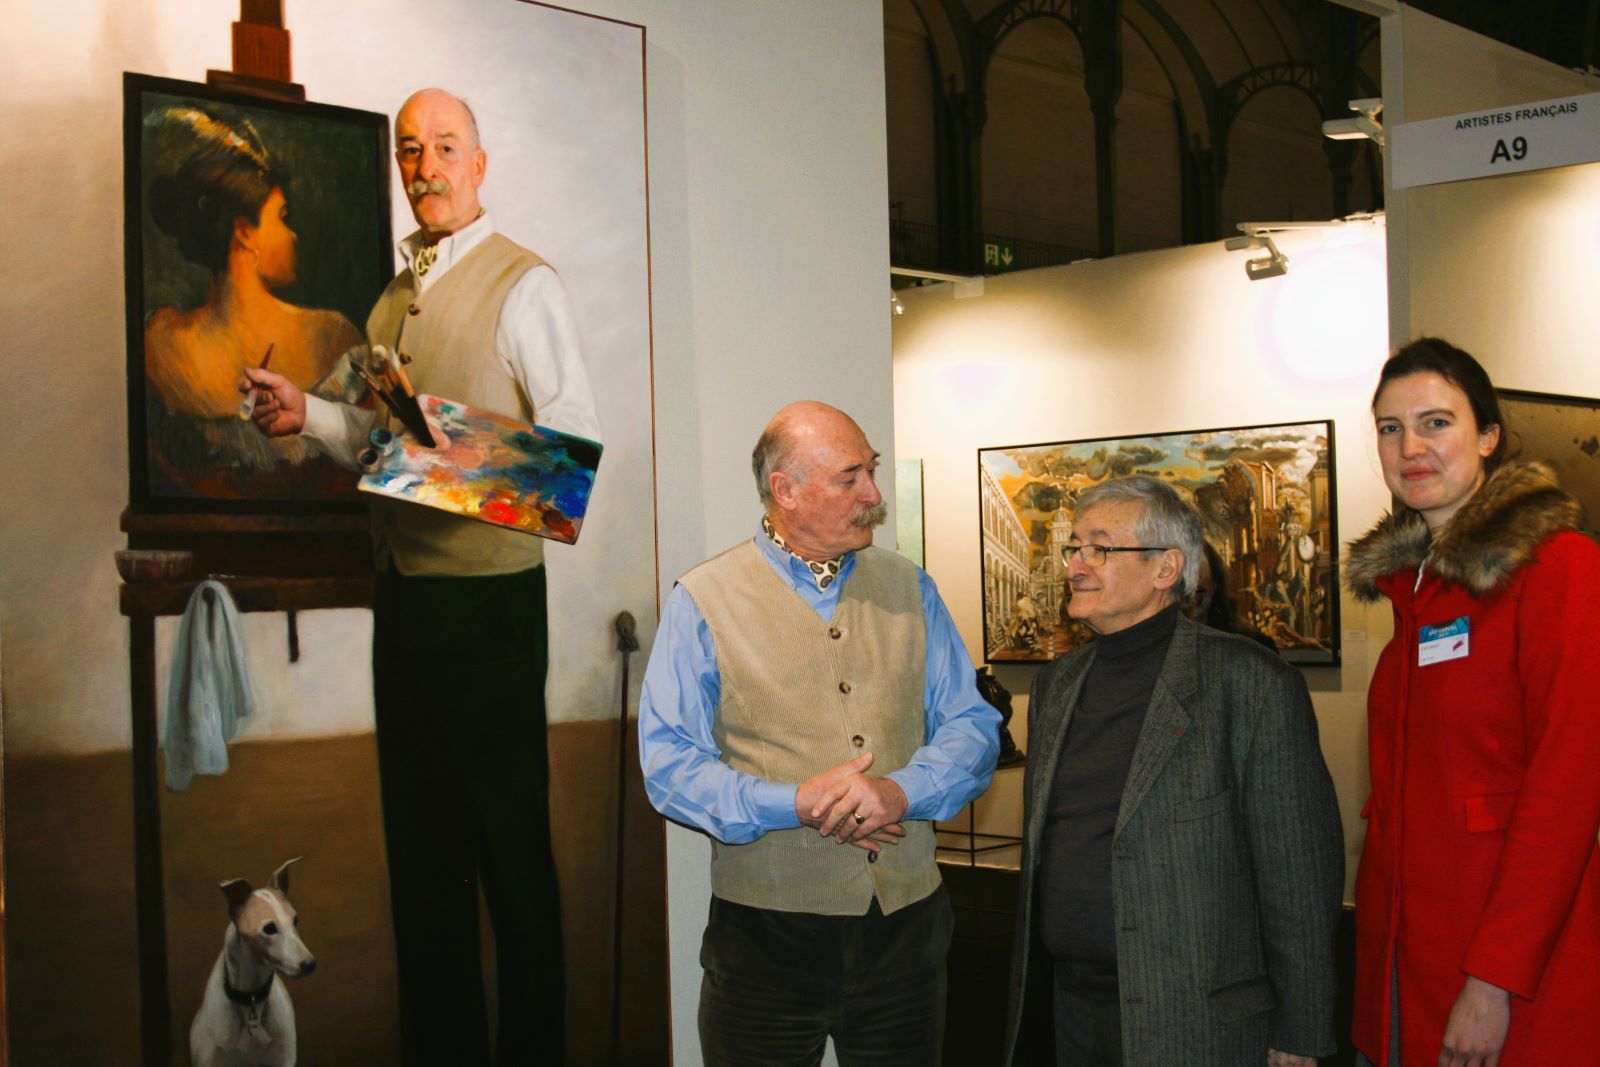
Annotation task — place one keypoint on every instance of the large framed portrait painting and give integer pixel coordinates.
(257, 231)
(1265, 494)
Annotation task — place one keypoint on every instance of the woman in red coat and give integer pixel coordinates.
(1478, 894)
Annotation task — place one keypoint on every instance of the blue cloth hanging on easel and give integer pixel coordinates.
(209, 691)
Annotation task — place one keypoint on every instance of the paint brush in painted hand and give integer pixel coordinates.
(405, 400)
(247, 407)
(384, 377)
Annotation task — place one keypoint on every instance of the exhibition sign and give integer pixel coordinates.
(1266, 498)
(1504, 140)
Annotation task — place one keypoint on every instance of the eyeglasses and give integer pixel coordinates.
(1095, 555)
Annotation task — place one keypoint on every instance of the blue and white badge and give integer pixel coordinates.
(1442, 642)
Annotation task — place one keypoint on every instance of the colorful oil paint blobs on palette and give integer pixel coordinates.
(494, 469)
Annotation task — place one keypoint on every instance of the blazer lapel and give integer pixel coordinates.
(1060, 699)
(1165, 721)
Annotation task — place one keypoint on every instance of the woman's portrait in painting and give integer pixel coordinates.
(247, 249)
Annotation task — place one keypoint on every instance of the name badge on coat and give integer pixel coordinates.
(1442, 641)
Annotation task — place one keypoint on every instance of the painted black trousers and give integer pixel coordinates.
(778, 984)
(458, 678)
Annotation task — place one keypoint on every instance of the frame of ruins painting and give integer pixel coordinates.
(1266, 495)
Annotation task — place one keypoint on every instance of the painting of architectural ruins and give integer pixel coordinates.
(1265, 493)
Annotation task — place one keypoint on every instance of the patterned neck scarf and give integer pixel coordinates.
(423, 261)
(822, 573)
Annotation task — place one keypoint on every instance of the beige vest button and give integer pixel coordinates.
(858, 740)
(844, 687)
(835, 633)
(413, 310)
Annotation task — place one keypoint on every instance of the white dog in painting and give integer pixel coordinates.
(246, 1019)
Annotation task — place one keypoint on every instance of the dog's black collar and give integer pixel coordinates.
(251, 999)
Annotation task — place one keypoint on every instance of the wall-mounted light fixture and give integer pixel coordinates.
(1275, 264)
(894, 303)
(965, 285)
(1364, 124)
(1272, 265)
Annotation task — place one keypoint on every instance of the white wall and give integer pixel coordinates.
(1151, 343)
(1506, 267)
(769, 261)
(767, 188)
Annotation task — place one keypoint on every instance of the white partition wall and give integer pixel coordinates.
(1505, 267)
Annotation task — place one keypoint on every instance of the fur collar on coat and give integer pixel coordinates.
(1482, 545)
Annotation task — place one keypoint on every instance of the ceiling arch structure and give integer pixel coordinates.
(1215, 56)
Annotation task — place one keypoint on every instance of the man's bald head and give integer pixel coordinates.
(445, 99)
(817, 476)
(778, 447)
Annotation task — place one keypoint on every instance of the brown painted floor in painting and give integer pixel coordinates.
(73, 968)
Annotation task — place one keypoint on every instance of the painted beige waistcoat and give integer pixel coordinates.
(448, 332)
(801, 695)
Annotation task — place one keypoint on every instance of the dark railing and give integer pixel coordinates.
(916, 244)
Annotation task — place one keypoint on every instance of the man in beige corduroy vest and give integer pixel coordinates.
(459, 649)
(809, 705)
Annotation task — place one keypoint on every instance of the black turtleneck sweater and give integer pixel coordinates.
(1077, 924)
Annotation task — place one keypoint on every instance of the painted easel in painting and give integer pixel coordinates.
(273, 560)
(261, 63)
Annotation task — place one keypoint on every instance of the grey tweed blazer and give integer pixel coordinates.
(1227, 863)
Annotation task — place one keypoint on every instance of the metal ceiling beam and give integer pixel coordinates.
(1377, 8)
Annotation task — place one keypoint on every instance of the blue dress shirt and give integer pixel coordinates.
(685, 776)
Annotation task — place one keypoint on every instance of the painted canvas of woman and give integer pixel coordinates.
(227, 207)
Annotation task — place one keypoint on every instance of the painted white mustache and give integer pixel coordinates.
(870, 516)
(419, 188)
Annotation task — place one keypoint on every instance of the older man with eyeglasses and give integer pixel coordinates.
(1183, 863)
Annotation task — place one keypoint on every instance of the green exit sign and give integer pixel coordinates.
(999, 256)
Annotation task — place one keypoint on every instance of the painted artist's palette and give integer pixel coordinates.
(495, 470)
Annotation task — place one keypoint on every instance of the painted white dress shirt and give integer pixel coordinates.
(536, 340)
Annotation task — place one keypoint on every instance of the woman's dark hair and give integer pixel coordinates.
(1427, 354)
(224, 176)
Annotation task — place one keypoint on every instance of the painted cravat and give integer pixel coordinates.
(423, 261)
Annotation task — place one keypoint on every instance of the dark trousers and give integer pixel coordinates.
(1088, 1030)
(778, 984)
(458, 677)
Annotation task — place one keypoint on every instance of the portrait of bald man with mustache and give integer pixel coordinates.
(459, 626)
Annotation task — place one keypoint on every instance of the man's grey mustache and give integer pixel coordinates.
(871, 516)
(417, 189)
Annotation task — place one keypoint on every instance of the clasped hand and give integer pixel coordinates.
(853, 807)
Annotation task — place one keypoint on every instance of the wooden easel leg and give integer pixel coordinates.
(155, 1010)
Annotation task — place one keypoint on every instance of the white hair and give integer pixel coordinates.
(1167, 520)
